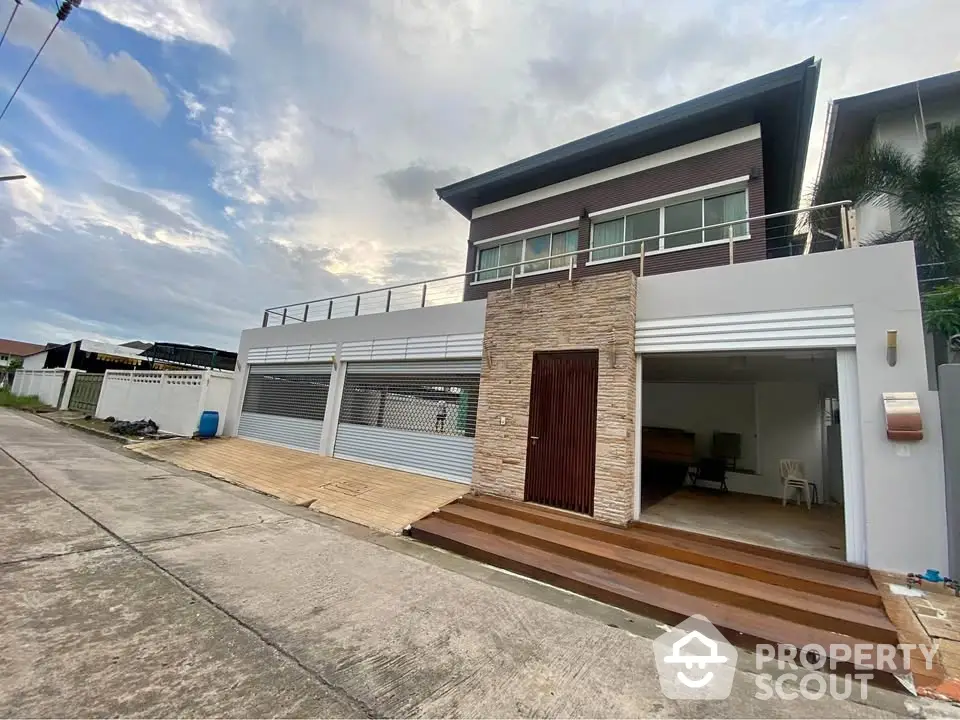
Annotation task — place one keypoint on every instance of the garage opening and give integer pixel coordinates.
(726, 437)
(285, 404)
(419, 417)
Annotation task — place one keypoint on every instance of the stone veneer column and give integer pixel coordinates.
(597, 313)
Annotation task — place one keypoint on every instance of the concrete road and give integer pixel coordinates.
(131, 588)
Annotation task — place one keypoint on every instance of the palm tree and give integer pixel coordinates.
(924, 192)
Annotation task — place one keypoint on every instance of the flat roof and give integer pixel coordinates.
(850, 119)
(781, 101)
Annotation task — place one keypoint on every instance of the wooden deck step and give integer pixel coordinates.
(811, 609)
(585, 525)
(741, 626)
(743, 562)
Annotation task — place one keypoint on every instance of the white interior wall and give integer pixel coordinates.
(775, 419)
(705, 408)
(790, 428)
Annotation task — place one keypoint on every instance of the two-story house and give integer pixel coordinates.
(628, 324)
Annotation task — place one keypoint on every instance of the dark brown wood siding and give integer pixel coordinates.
(562, 442)
(716, 166)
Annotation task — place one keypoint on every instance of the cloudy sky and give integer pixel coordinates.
(191, 162)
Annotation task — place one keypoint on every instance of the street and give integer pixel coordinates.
(132, 588)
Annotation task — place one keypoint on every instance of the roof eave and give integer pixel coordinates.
(458, 194)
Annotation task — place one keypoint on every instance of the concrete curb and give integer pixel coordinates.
(94, 431)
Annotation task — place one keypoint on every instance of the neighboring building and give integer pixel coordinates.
(96, 356)
(11, 350)
(175, 356)
(674, 338)
(904, 115)
(88, 355)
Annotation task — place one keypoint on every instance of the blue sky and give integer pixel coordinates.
(191, 162)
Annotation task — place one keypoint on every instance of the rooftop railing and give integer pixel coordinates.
(830, 226)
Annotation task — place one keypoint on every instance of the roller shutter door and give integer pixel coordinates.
(415, 416)
(285, 404)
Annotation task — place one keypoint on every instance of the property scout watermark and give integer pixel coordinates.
(695, 662)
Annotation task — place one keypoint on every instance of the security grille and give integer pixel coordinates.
(297, 396)
(440, 404)
(285, 404)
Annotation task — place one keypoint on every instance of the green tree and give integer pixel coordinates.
(924, 192)
(941, 312)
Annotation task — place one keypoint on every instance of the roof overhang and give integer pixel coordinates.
(850, 120)
(781, 102)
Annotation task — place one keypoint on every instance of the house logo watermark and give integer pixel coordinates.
(695, 662)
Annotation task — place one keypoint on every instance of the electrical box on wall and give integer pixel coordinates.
(902, 412)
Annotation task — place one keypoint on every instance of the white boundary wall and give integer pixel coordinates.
(173, 400)
(45, 384)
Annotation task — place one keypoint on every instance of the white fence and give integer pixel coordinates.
(45, 384)
(173, 400)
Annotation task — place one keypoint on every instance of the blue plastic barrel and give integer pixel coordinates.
(209, 422)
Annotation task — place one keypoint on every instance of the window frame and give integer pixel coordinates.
(661, 206)
(522, 239)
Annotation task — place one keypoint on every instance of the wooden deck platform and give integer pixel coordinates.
(380, 498)
(752, 594)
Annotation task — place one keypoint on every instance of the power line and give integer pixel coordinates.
(15, 8)
(62, 13)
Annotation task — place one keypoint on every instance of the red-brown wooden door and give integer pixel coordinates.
(562, 430)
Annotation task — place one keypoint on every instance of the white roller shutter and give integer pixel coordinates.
(418, 416)
(830, 327)
(285, 404)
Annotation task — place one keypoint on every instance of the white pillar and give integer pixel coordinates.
(68, 388)
(851, 448)
(331, 414)
(70, 354)
(638, 439)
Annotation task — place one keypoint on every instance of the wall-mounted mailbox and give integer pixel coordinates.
(902, 411)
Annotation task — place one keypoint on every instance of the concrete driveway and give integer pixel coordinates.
(134, 588)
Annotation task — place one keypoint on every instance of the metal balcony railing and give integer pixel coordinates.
(793, 232)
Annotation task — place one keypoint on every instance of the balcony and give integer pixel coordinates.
(819, 228)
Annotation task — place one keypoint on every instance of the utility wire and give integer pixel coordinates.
(62, 12)
(15, 8)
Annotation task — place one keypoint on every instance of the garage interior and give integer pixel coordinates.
(715, 428)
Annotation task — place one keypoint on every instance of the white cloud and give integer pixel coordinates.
(327, 123)
(167, 20)
(193, 106)
(82, 62)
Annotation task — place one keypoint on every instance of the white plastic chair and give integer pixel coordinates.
(794, 478)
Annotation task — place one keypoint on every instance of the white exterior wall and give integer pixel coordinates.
(903, 499)
(904, 503)
(436, 322)
(35, 361)
(903, 128)
(45, 384)
(173, 400)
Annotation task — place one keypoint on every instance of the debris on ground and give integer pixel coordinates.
(138, 428)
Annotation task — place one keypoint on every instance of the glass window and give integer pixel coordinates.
(724, 209)
(563, 242)
(537, 250)
(645, 225)
(683, 217)
(488, 258)
(607, 233)
(510, 253)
